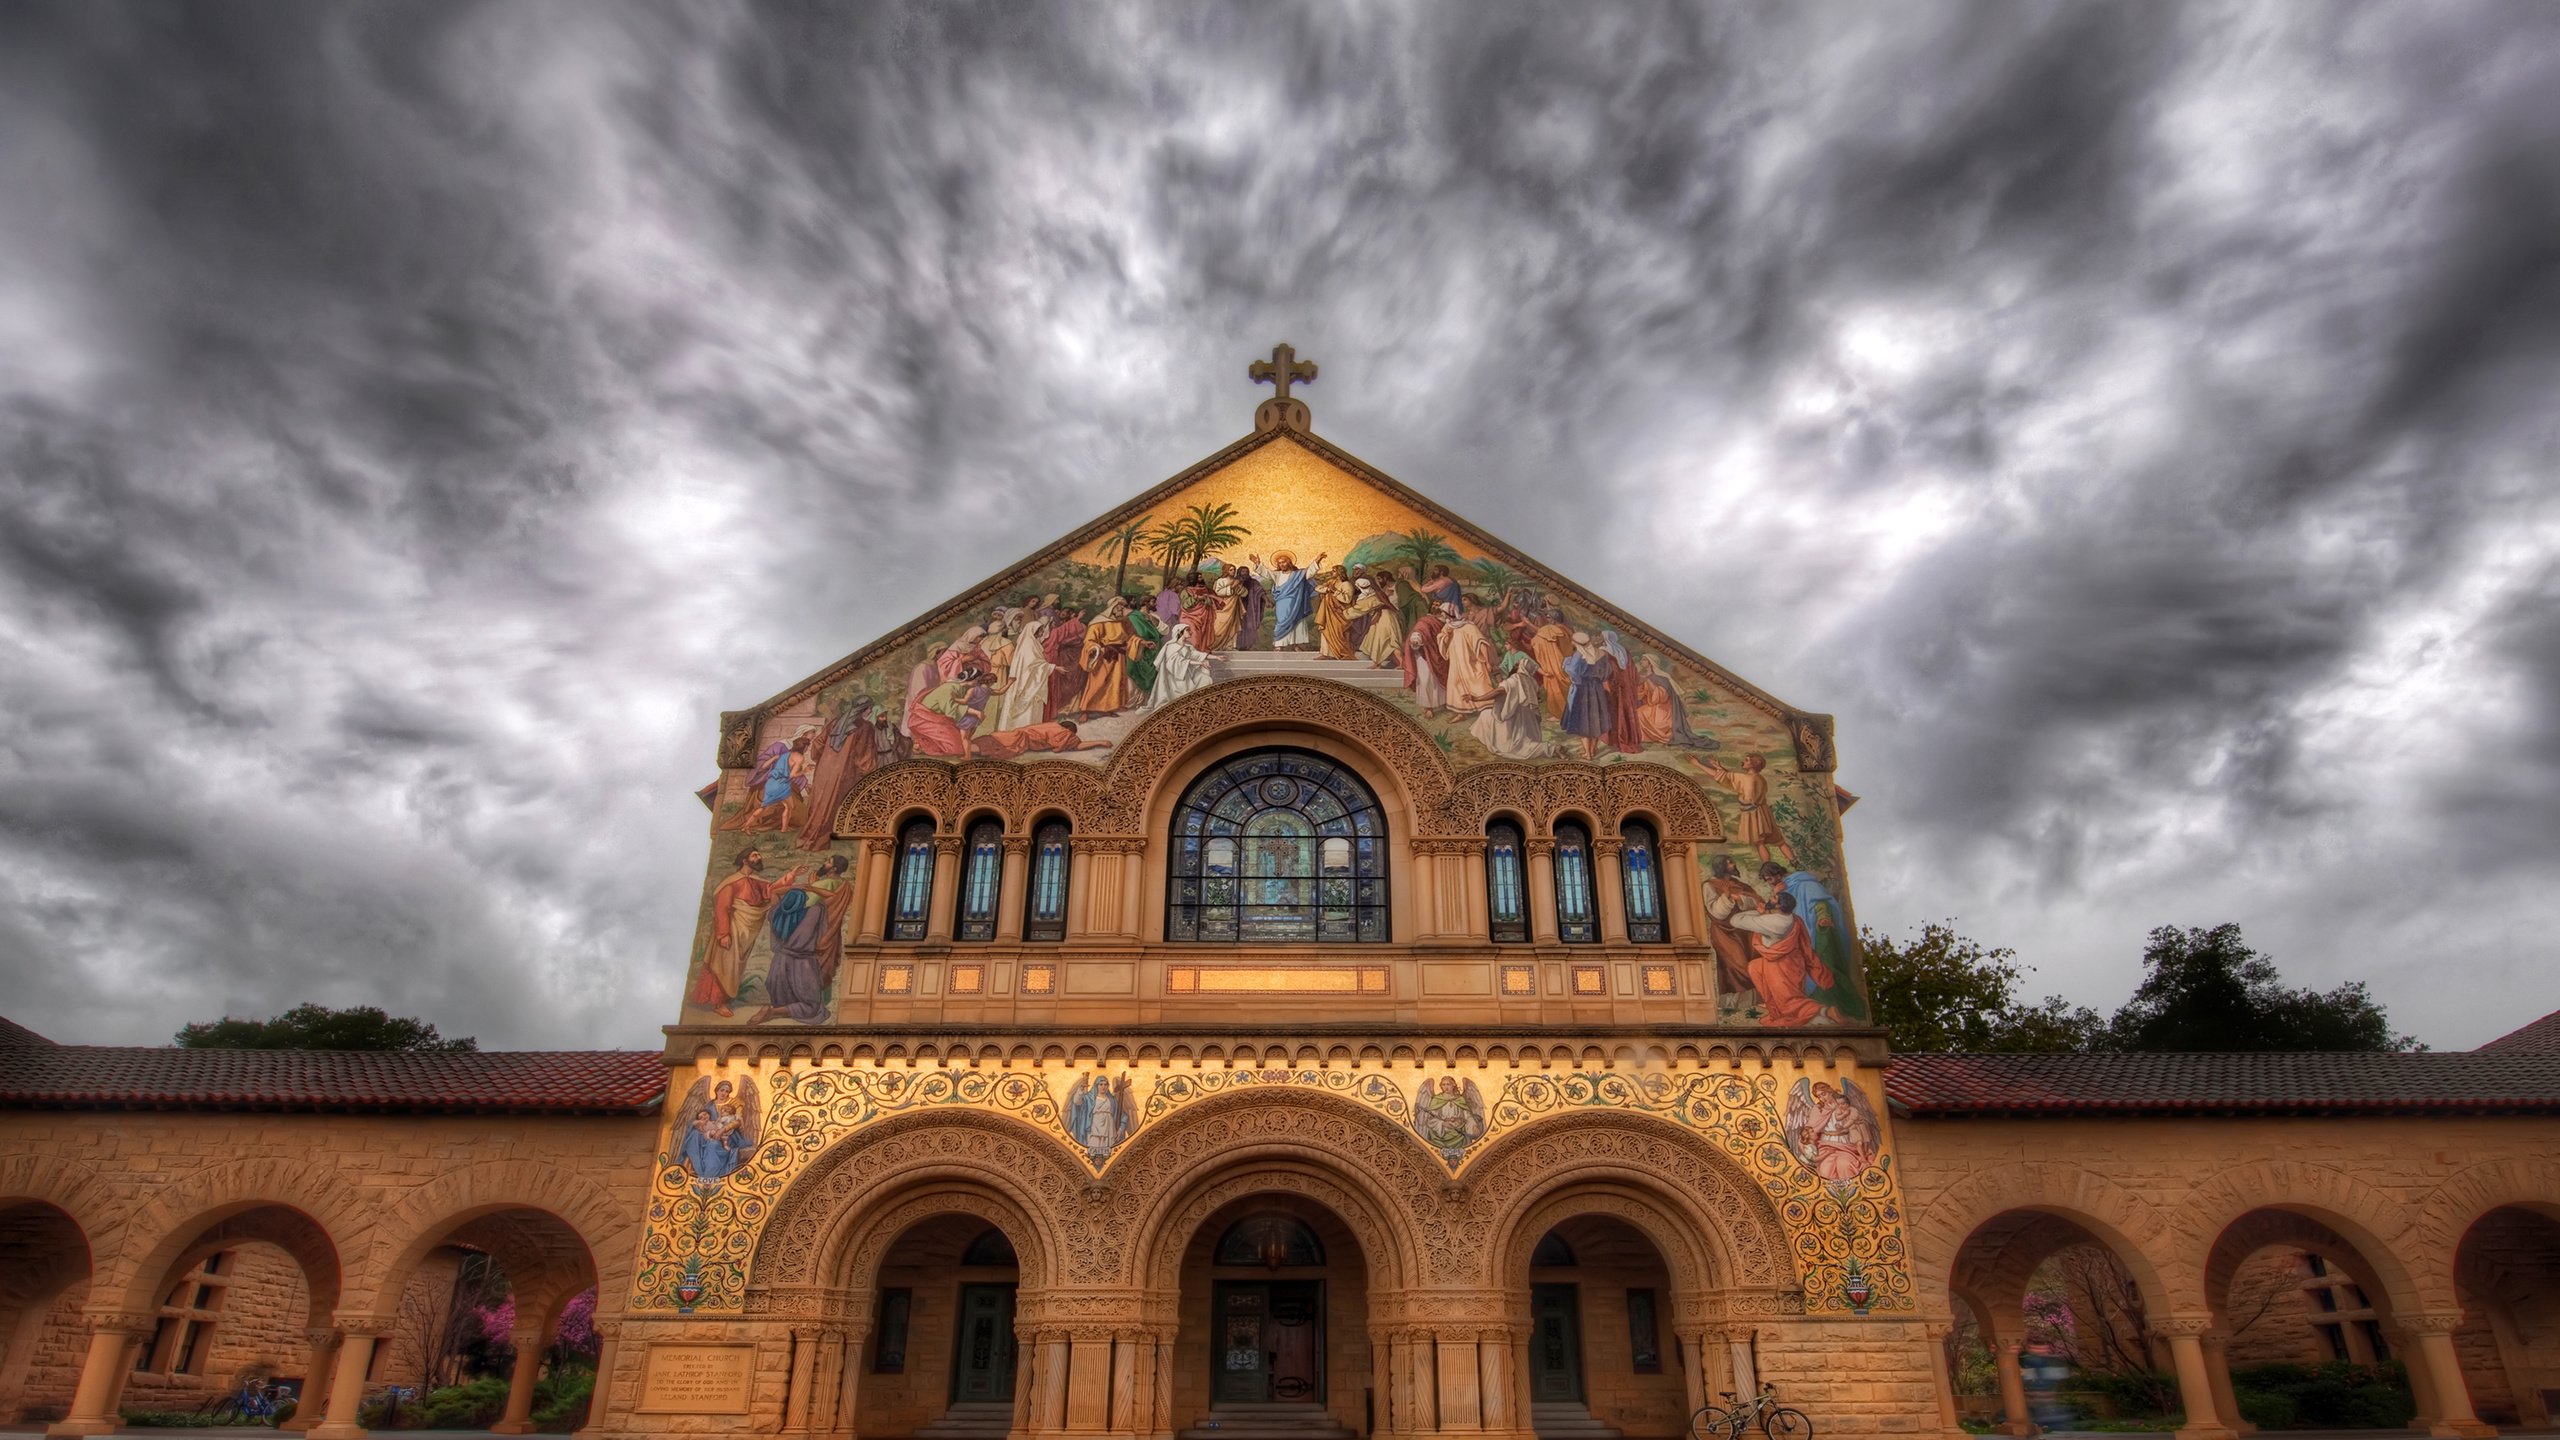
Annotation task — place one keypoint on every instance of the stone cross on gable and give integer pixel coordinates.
(1283, 410)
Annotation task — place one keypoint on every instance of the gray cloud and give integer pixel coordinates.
(420, 421)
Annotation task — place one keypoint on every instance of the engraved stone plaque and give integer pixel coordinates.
(698, 1379)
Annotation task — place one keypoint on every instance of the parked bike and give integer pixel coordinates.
(1729, 1420)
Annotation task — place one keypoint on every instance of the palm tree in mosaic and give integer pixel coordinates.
(1124, 538)
(1207, 530)
(1421, 549)
(1164, 545)
(1496, 577)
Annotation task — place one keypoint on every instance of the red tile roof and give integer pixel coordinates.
(2540, 1037)
(38, 1074)
(2353, 1083)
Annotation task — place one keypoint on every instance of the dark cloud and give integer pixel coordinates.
(420, 421)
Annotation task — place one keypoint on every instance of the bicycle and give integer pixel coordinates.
(1729, 1420)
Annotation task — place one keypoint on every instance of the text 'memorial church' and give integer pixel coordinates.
(1276, 963)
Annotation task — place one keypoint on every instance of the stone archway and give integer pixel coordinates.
(819, 1259)
(1723, 1251)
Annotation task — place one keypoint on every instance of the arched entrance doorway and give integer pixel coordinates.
(1602, 1359)
(2507, 1271)
(44, 1270)
(2044, 1297)
(942, 1358)
(2289, 1290)
(1272, 1337)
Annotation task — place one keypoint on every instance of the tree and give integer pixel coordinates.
(1943, 991)
(1165, 544)
(1496, 577)
(1206, 530)
(317, 1027)
(1422, 550)
(2207, 990)
(1124, 538)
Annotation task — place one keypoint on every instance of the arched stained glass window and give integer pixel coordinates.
(1046, 918)
(1506, 892)
(1640, 870)
(911, 893)
(1577, 919)
(981, 878)
(1277, 847)
(1270, 1239)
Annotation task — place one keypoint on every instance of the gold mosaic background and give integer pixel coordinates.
(709, 1232)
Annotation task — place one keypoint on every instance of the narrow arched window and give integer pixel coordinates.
(1277, 847)
(1506, 893)
(1640, 872)
(911, 893)
(1577, 919)
(1046, 918)
(981, 879)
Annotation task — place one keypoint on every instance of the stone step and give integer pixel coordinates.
(1569, 1420)
(1238, 664)
(973, 1420)
(1268, 1420)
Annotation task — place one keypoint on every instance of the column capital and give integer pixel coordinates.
(1016, 845)
(812, 1334)
(1607, 847)
(879, 846)
(608, 1327)
(320, 1337)
(2013, 1348)
(1541, 846)
(132, 1323)
(2183, 1327)
(2437, 1322)
(946, 846)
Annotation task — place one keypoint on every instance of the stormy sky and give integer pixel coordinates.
(2136, 422)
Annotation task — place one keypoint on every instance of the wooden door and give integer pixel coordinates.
(1555, 1342)
(1293, 1333)
(982, 1360)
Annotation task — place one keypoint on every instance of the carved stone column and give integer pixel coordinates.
(1608, 854)
(1746, 1375)
(1541, 898)
(346, 1385)
(2226, 1399)
(2195, 1379)
(608, 1351)
(2433, 1337)
(843, 1396)
(518, 1419)
(320, 1354)
(102, 1373)
(1942, 1377)
(2014, 1419)
(1683, 900)
(946, 887)
(879, 862)
(1011, 889)
(1459, 1371)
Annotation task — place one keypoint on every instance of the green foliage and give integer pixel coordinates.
(2204, 990)
(2207, 990)
(1495, 577)
(2134, 1394)
(2338, 1395)
(317, 1027)
(1942, 991)
(2267, 1409)
(184, 1419)
(560, 1398)
(1422, 549)
(471, 1406)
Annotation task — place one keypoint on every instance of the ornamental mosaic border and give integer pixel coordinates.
(1847, 1236)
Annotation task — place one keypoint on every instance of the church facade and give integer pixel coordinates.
(1277, 963)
